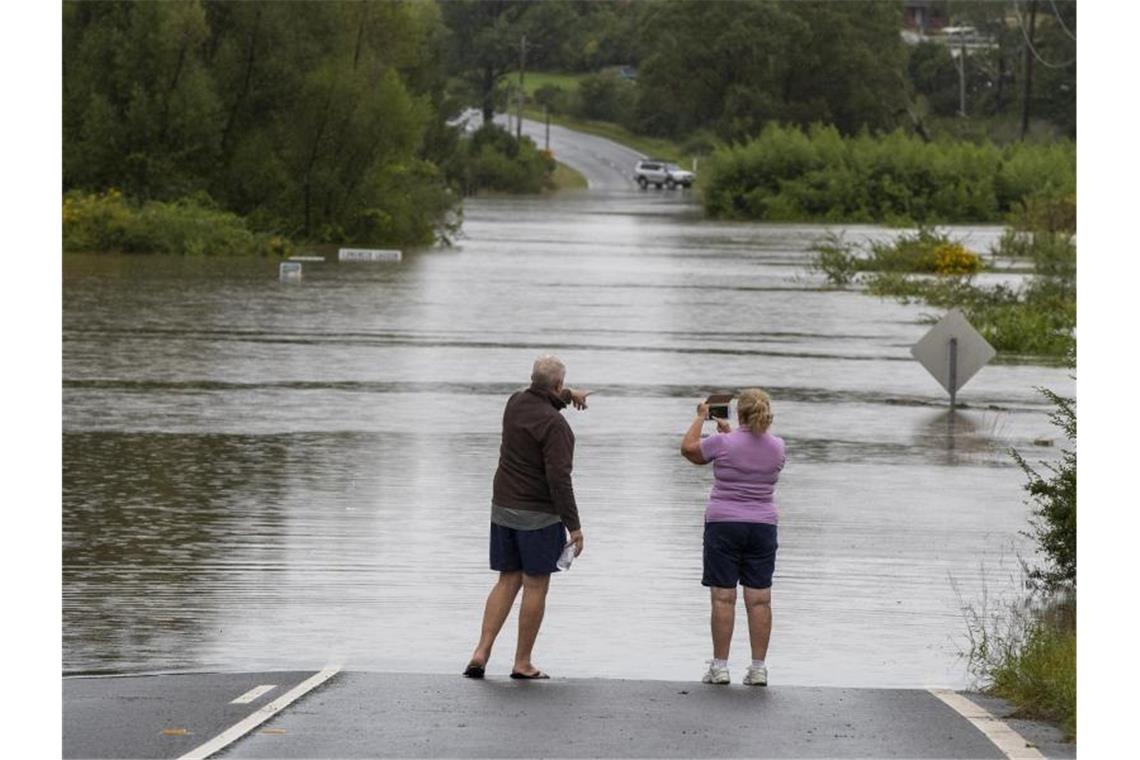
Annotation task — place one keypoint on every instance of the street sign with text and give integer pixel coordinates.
(368, 254)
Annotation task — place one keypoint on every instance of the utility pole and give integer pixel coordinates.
(1028, 69)
(962, 76)
(522, 68)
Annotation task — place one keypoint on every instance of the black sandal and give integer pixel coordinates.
(532, 677)
(474, 671)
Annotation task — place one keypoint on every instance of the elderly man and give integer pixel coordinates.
(532, 507)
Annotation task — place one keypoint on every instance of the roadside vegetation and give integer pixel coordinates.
(108, 222)
(788, 174)
(494, 160)
(1037, 318)
(1025, 651)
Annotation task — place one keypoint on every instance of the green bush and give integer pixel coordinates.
(835, 260)
(789, 174)
(495, 160)
(108, 222)
(1054, 500)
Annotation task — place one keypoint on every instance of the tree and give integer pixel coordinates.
(484, 43)
(734, 66)
(140, 111)
(315, 119)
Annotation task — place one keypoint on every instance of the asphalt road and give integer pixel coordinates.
(605, 164)
(364, 715)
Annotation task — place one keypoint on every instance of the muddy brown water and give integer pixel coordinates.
(260, 475)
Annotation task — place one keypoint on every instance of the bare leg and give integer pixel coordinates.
(758, 603)
(499, 603)
(531, 611)
(723, 619)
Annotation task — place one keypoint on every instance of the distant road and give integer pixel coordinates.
(605, 164)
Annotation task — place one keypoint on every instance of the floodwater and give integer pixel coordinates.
(260, 475)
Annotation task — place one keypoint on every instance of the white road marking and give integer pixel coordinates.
(253, 694)
(238, 730)
(1011, 743)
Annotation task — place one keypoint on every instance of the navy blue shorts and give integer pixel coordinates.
(535, 552)
(739, 552)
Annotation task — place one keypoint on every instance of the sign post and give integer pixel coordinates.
(953, 352)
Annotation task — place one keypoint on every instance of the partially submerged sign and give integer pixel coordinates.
(369, 254)
(289, 271)
(953, 352)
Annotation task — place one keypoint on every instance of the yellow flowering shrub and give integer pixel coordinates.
(953, 258)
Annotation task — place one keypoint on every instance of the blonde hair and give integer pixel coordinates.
(754, 408)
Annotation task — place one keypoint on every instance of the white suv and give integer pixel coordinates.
(654, 171)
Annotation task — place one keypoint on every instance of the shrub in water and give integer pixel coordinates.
(107, 222)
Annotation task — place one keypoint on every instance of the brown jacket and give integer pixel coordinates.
(537, 456)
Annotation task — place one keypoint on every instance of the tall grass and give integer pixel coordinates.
(1025, 651)
(788, 174)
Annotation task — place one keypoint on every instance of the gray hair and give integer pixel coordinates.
(548, 372)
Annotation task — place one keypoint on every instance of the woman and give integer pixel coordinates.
(740, 526)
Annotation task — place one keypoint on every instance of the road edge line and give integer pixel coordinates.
(1012, 744)
(262, 714)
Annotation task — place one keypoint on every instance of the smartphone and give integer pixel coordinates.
(718, 405)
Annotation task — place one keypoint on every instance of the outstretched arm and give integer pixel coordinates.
(576, 397)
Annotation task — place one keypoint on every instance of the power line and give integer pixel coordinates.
(1061, 21)
(1042, 61)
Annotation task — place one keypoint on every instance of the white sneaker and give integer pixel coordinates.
(716, 675)
(756, 676)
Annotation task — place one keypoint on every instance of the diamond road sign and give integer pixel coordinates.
(953, 352)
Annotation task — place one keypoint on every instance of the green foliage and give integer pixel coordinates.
(787, 174)
(1027, 653)
(553, 97)
(734, 66)
(1038, 319)
(107, 222)
(925, 251)
(605, 97)
(1041, 677)
(311, 119)
(835, 259)
(1045, 211)
(1054, 254)
(1053, 495)
(493, 159)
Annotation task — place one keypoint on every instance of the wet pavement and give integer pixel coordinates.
(358, 715)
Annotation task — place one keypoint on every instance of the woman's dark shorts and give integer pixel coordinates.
(739, 552)
(535, 552)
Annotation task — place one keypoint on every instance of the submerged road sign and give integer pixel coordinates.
(289, 271)
(368, 254)
(953, 352)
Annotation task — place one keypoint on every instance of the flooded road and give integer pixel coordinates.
(270, 476)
